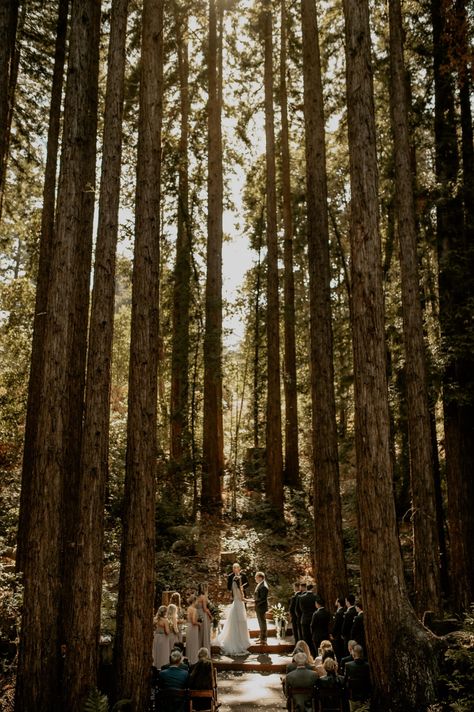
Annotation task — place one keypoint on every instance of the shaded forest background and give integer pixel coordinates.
(340, 154)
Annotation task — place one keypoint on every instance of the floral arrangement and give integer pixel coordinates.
(279, 613)
(216, 614)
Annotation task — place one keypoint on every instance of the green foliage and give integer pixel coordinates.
(97, 702)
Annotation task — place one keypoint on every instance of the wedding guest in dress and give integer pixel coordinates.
(330, 680)
(161, 647)
(192, 632)
(202, 678)
(204, 617)
(175, 635)
(301, 647)
(324, 648)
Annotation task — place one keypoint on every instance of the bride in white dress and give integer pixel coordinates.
(234, 639)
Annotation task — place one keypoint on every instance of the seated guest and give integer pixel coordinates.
(330, 679)
(301, 647)
(184, 665)
(347, 658)
(329, 653)
(357, 631)
(357, 681)
(318, 661)
(173, 678)
(301, 678)
(201, 677)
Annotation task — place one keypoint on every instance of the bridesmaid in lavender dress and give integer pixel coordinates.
(204, 617)
(192, 631)
(161, 647)
(175, 635)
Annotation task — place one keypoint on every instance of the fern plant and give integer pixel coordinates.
(97, 702)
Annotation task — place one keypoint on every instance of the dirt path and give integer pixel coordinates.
(248, 692)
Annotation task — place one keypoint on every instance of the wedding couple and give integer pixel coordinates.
(234, 639)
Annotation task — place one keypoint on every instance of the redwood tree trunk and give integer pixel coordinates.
(83, 620)
(179, 436)
(213, 436)
(292, 468)
(455, 296)
(8, 26)
(404, 681)
(42, 281)
(134, 639)
(274, 456)
(38, 669)
(329, 550)
(425, 535)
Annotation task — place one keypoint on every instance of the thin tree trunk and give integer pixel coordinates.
(455, 294)
(83, 620)
(8, 27)
(257, 344)
(274, 456)
(134, 639)
(330, 563)
(179, 437)
(213, 436)
(291, 470)
(405, 681)
(42, 281)
(425, 536)
(38, 668)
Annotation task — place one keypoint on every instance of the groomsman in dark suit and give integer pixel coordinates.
(307, 603)
(349, 616)
(337, 641)
(260, 597)
(358, 632)
(298, 611)
(292, 610)
(320, 623)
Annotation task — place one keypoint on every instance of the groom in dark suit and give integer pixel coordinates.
(260, 597)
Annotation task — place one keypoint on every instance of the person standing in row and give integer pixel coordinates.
(204, 617)
(320, 622)
(292, 610)
(192, 631)
(349, 616)
(306, 604)
(337, 640)
(161, 646)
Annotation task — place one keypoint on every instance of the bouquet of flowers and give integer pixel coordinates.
(216, 614)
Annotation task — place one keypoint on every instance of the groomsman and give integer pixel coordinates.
(292, 609)
(320, 623)
(307, 603)
(337, 641)
(349, 616)
(260, 597)
(298, 611)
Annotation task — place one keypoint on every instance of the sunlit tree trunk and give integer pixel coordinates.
(329, 550)
(83, 612)
(291, 471)
(425, 536)
(134, 639)
(274, 456)
(38, 669)
(455, 295)
(213, 436)
(405, 681)
(44, 264)
(179, 437)
(8, 27)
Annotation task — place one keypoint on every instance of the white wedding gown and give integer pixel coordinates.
(234, 639)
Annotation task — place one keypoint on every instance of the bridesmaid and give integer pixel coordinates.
(175, 635)
(204, 616)
(161, 647)
(192, 632)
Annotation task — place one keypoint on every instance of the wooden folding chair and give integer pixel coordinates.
(207, 694)
(294, 692)
(170, 699)
(330, 700)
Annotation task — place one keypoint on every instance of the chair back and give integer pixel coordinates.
(203, 694)
(330, 700)
(294, 697)
(170, 699)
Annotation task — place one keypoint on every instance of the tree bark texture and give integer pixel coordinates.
(133, 643)
(274, 456)
(455, 260)
(213, 436)
(330, 568)
(179, 436)
(425, 535)
(38, 673)
(291, 470)
(405, 681)
(83, 619)
(8, 27)
(42, 280)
